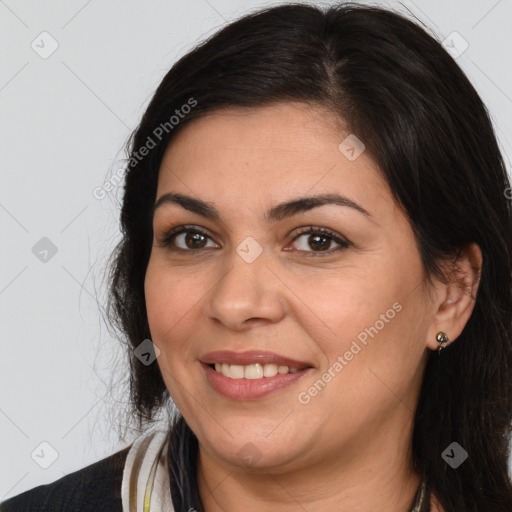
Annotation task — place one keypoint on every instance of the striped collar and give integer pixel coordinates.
(145, 485)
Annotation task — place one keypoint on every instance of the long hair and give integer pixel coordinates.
(424, 124)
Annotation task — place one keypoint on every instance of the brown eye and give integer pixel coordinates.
(194, 240)
(185, 238)
(319, 240)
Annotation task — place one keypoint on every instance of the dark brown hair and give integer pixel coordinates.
(426, 127)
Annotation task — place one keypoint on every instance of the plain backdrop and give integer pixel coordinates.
(64, 120)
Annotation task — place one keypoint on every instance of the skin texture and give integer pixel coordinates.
(348, 448)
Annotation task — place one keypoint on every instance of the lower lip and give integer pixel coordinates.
(250, 389)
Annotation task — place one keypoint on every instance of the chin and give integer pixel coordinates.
(250, 448)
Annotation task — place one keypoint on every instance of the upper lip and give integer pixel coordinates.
(252, 357)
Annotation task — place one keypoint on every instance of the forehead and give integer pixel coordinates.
(239, 156)
(291, 127)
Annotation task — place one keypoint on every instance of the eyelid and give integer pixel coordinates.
(342, 242)
(170, 235)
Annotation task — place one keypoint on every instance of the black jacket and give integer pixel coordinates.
(96, 487)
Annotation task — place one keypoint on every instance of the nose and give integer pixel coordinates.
(246, 293)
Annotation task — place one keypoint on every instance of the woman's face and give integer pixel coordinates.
(350, 305)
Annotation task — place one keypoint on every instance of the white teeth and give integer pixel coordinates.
(252, 371)
(236, 371)
(270, 370)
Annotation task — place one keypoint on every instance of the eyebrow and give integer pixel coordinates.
(275, 214)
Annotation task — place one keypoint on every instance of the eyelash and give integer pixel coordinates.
(170, 235)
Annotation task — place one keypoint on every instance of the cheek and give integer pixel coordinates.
(373, 315)
(169, 292)
(173, 302)
(167, 303)
(168, 313)
(344, 305)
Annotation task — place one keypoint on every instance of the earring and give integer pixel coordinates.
(441, 338)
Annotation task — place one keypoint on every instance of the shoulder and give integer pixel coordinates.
(96, 487)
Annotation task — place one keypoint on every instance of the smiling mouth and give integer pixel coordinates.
(253, 371)
(255, 380)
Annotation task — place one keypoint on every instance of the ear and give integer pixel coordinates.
(454, 301)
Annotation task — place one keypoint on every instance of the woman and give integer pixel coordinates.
(316, 267)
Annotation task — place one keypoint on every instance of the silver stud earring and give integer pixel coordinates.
(441, 338)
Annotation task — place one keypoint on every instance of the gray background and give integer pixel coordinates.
(64, 120)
